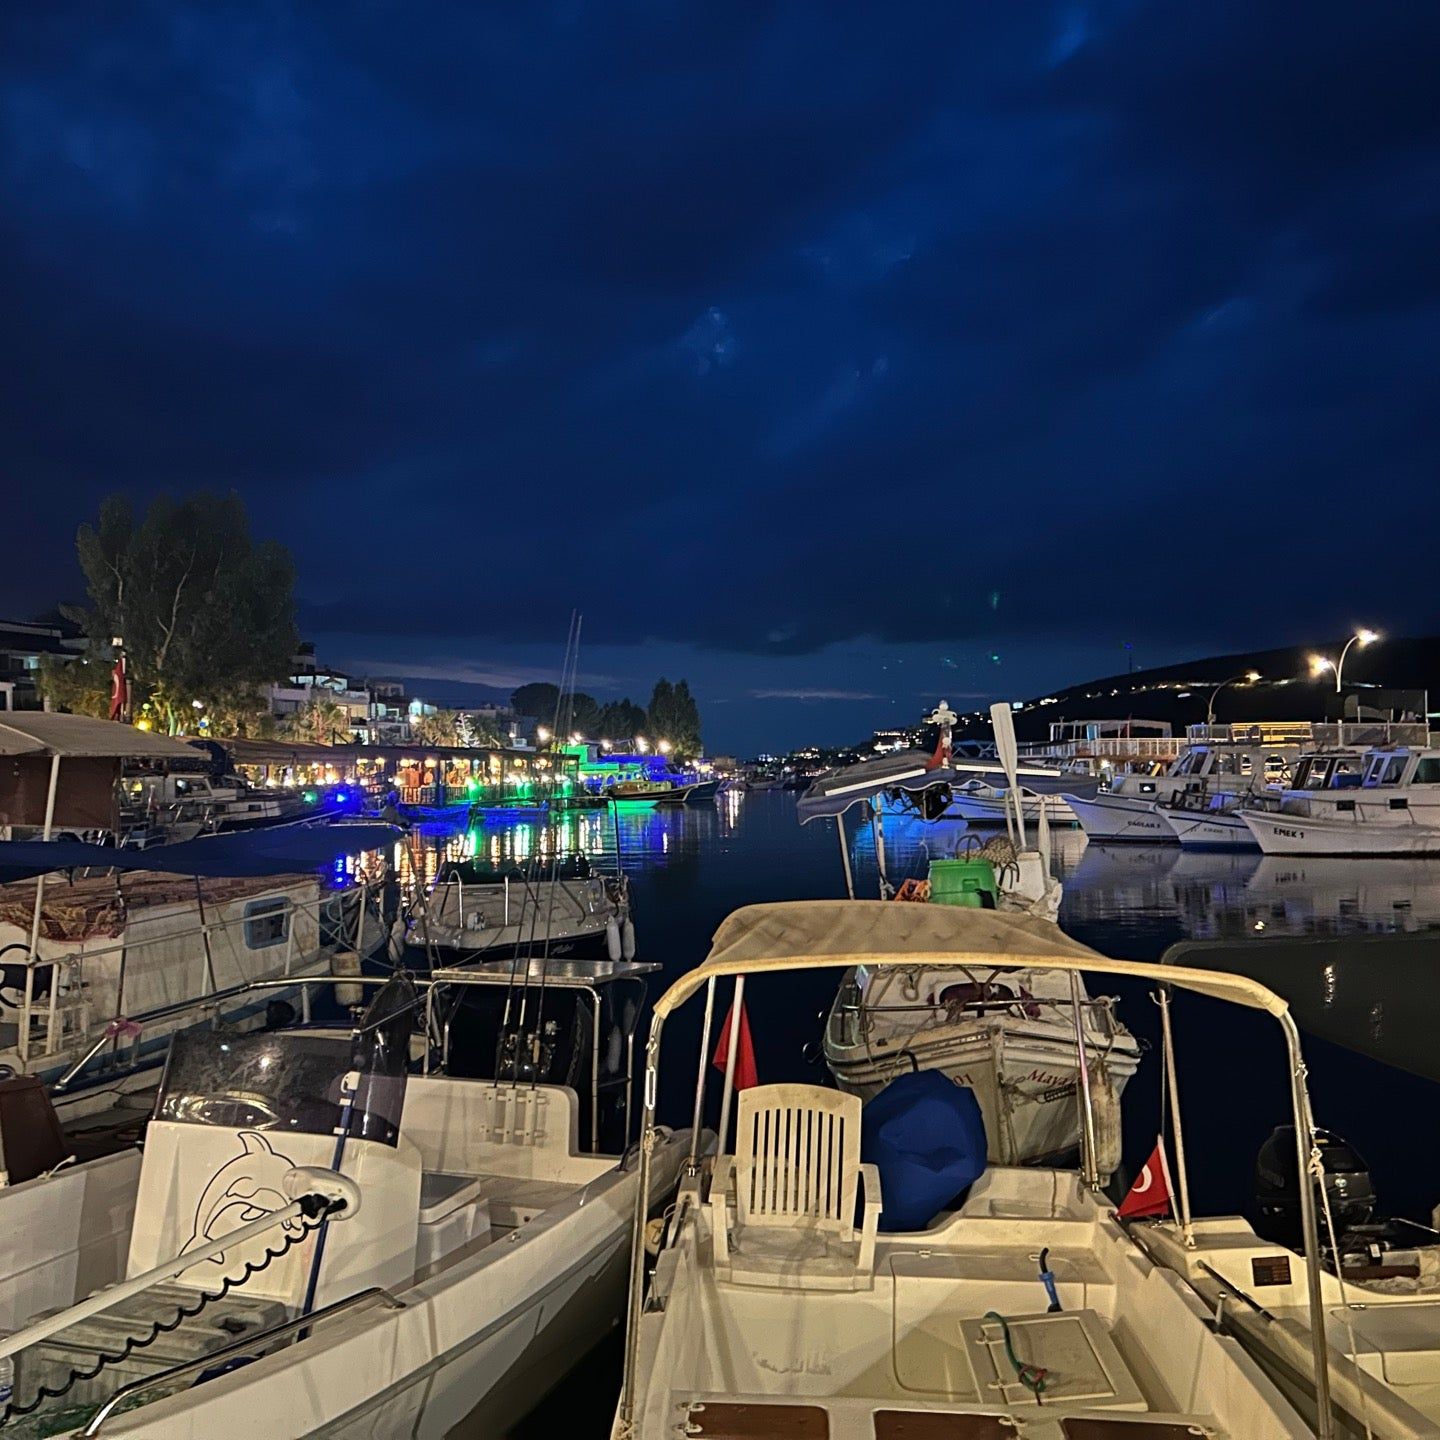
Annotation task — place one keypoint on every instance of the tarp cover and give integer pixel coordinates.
(38, 732)
(816, 934)
(281, 850)
(836, 792)
(926, 1137)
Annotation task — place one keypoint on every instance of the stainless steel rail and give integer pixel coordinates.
(238, 1347)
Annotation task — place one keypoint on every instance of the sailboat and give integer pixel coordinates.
(837, 1274)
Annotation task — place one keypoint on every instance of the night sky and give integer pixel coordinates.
(836, 357)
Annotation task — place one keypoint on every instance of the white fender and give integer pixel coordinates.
(627, 939)
(612, 938)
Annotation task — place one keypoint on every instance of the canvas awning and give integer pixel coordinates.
(40, 733)
(834, 793)
(816, 934)
(276, 850)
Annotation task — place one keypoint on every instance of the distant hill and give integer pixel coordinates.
(1179, 693)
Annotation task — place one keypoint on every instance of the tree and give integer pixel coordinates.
(537, 701)
(675, 717)
(81, 685)
(203, 610)
(620, 722)
(320, 721)
(441, 728)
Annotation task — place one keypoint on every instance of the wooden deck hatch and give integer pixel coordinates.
(728, 1421)
(937, 1425)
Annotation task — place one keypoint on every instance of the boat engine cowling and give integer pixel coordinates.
(1348, 1186)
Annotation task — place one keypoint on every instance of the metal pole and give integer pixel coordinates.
(637, 1232)
(694, 1162)
(1087, 1112)
(729, 1090)
(845, 856)
(24, 1036)
(1319, 1349)
(205, 935)
(1187, 1229)
(877, 827)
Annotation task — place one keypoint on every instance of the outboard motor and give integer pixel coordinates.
(1277, 1187)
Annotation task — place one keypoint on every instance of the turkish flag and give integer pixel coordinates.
(119, 690)
(1150, 1194)
(745, 1073)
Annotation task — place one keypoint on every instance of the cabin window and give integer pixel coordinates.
(1393, 770)
(267, 922)
(1427, 772)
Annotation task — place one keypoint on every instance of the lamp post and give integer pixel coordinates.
(1249, 676)
(1319, 664)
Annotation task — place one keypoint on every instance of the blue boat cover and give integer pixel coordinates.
(277, 850)
(925, 1135)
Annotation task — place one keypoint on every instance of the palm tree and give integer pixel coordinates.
(320, 721)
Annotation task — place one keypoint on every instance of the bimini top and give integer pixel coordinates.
(834, 793)
(38, 732)
(814, 934)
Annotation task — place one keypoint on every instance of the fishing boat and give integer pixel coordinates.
(639, 792)
(105, 953)
(843, 1270)
(322, 1237)
(979, 803)
(562, 909)
(1387, 804)
(1132, 809)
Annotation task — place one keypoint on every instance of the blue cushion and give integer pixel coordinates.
(926, 1136)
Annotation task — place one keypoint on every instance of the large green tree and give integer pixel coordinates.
(203, 610)
(621, 721)
(674, 716)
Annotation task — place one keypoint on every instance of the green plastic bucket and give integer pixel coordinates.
(964, 882)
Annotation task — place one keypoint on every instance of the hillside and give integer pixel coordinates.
(1180, 693)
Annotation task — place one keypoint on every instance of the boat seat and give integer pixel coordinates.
(795, 1176)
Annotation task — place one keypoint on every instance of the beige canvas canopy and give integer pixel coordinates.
(39, 732)
(815, 934)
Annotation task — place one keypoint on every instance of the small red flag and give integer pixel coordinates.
(1150, 1194)
(745, 1073)
(119, 690)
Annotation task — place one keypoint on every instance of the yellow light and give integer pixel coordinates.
(142, 724)
(1252, 676)
(664, 747)
(541, 734)
(1319, 664)
(1367, 637)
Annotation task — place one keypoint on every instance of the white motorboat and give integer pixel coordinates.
(442, 1250)
(1008, 1035)
(1388, 805)
(1132, 809)
(982, 804)
(560, 909)
(98, 970)
(780, 1307)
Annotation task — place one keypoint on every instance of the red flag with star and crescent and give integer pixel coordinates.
(746, 1074)
(119, 690)
(1150, 1194)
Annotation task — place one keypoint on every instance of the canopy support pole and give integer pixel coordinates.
(877, 828)
(24, 1036)
(1087, 1109)
(736, 1010)
(1304, 1133)
(845, 855)
(629, 1378)
(693, 1166)
(1187, 1228)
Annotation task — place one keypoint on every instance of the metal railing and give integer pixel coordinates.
(244, 1346)
(51, 1023)
(1142, 748)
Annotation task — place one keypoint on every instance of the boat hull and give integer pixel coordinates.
(990, 809)
(1277, 833)
(1122, 818)
(1197, 830)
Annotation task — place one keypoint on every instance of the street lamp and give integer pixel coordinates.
(1319, 664)
(541, 734)
(1249, 676)
(664, 747)
(641, 744)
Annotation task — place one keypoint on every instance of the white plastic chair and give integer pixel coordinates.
(795, 1173)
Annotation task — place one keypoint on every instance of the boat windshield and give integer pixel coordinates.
(281, 1080)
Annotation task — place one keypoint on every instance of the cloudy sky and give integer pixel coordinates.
(836, 357)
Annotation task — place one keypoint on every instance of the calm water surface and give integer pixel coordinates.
(1368, 1012)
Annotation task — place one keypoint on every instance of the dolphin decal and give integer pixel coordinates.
(247, 1188)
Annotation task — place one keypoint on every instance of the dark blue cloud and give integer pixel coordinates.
(752, 330)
